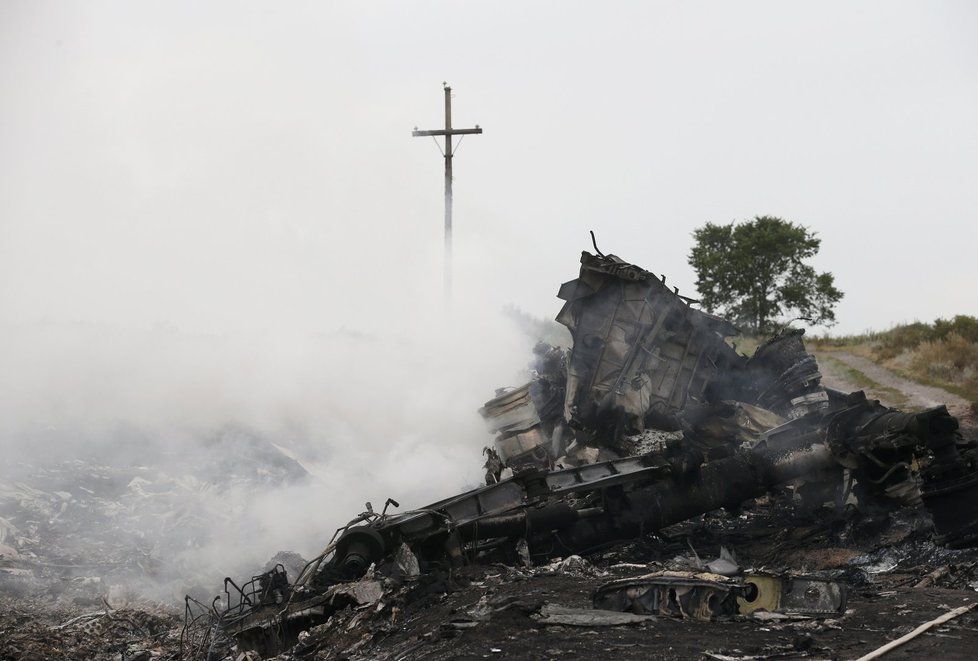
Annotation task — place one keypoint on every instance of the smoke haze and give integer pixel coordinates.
(215, 226)
(212, 422)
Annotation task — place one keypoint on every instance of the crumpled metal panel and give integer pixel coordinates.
(701, 596)
(706, 596)
(513, 416)
(639, 348)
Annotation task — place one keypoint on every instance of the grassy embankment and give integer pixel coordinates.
(942, 354)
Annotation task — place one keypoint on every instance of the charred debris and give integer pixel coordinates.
(650, 419)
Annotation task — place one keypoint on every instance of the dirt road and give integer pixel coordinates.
(845, 371)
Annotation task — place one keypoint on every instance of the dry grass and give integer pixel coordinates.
(953, 360)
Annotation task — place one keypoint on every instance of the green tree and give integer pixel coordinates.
(755, 272)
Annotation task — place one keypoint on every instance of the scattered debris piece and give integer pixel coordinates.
(950, 615)
(725, 565)
(587, 617)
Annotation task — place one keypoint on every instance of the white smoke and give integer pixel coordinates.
(368, 414)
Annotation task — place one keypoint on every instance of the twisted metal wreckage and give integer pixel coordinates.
(649, 419)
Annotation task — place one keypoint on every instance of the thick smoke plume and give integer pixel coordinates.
(234, 446)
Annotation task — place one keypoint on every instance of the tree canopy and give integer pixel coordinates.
(754, 272)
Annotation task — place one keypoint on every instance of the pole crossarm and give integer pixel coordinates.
(418, 134)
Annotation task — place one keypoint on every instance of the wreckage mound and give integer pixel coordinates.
(646, 446)
(651, 492)
(894, 576)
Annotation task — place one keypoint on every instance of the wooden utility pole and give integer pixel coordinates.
(448, 152)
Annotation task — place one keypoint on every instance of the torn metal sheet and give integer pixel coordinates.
(360, 593)
(803, 595)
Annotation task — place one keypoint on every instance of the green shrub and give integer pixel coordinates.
(903, 338)
(961, 325)
(907, 337)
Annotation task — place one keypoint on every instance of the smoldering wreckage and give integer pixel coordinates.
(650, 493)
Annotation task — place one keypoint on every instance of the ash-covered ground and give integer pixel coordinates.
(78, 530)
(95, 552)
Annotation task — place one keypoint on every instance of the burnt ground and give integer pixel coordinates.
(491, 611)
(883, 604)
(876, 617)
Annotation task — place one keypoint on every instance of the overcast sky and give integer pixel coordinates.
(225, 166)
